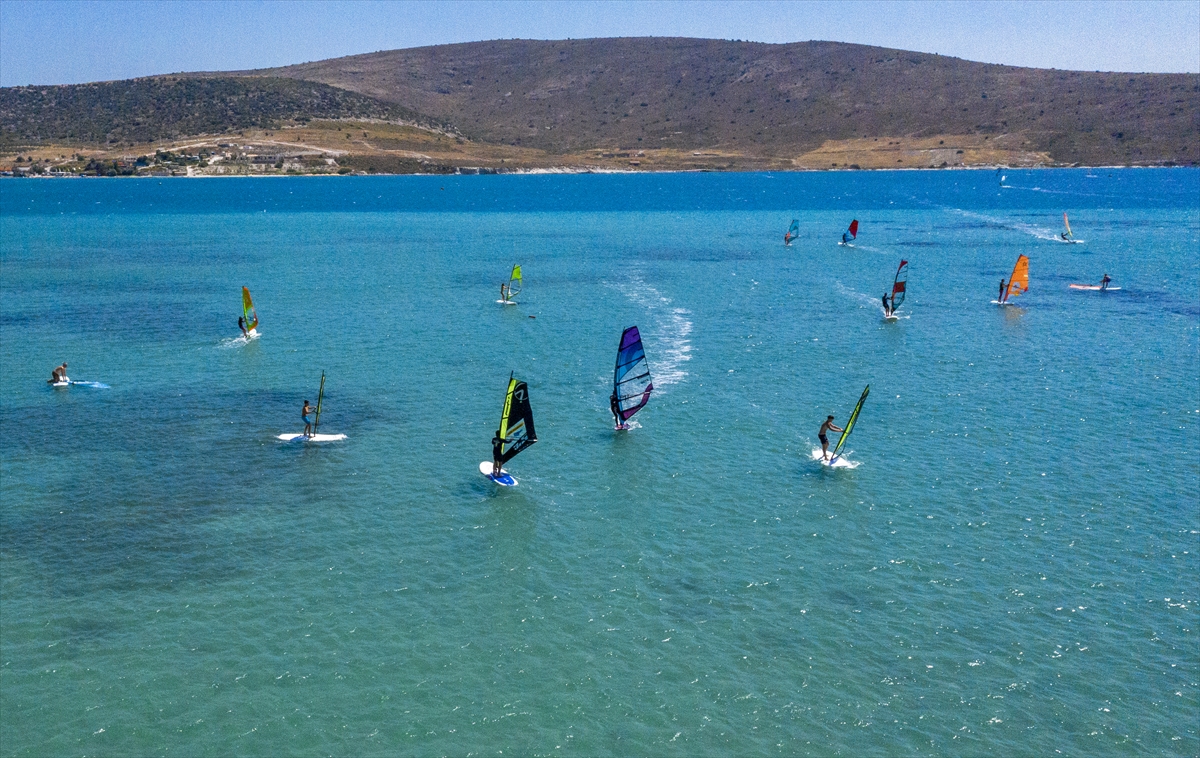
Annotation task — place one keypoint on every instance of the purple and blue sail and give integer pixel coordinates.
(631, 378)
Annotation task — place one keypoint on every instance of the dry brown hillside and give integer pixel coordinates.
(769, 100)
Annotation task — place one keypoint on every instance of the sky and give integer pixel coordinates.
(73, 41)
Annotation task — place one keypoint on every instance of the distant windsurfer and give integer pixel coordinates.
(887, 309)
(497, 451)
(615, 409)
(1000, 297)
(504, 292)
(1064, 236)
(828, 425)
(242, 326)
(787, 239)
(307, 409)
(1104, 282)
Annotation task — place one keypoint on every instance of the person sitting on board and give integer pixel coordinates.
(1104, 282)
(497, 451)
(825, 440)
(242, 326)
(1000, 297)
(887, 309)
(59, 374)
(307, 409)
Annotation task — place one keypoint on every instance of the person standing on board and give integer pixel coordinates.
(307, 409)
(242, 326)
(497, 451)
(824, 439)
(1000, 297)
(504, 292)
(1104, 282)
(615, 410)
(887, 309)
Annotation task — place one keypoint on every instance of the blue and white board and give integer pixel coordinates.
(504, 480)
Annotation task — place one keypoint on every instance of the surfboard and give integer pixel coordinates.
(892, 317)
(66, 383)
(311, 438)
(841, 461)
(507, 302)
(504, 480)
(1093, 288)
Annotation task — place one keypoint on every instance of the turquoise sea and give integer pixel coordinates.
(1011, 569)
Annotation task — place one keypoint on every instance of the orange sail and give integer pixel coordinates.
(1018, 283)
(248, 311)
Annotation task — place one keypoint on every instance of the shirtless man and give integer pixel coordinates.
(304, 417)
(1104, 282)
(824, 439)
(58, 375)
(497, 451)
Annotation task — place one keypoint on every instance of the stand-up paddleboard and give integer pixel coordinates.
(831, 462)
(63, 383)
(504, 480)
(311, 437)
(1093, 288)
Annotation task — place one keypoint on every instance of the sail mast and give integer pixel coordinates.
(320, 397)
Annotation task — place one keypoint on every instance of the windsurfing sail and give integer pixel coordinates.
(514, 281)
(850, 234)
(516, 422)
(631, 377)
(792, 232)
(849, 425)
(248, 311)
(1018, 283)
(899, 284)
(320, 397)
(1067, 228)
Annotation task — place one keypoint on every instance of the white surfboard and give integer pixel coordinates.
(504, 480)
(507, 302)
(841, 461)
(311, 438)
(1093, 288)
(892, 317)
(63, 383)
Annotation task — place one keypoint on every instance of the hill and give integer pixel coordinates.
(632, 103)
(694, 94)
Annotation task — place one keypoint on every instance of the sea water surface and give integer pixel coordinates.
(1011, 569)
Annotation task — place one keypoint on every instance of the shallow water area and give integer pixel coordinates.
(1009, 568)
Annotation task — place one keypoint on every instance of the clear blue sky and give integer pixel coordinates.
(66, 41)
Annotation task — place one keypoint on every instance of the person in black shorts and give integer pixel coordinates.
(887, 309)
(828, 425)
(497, 450)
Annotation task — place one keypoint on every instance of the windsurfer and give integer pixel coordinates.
(307, 409)
(1000, 297)
(497, 451)
(1104, 282)
(828, 425)
(887, 309)
(615, 410)
(1064, 236)
(242, 326)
